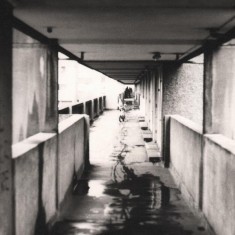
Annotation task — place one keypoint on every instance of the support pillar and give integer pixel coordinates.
(51, 124)
(6, 191)
(207, 93)
(219, 92)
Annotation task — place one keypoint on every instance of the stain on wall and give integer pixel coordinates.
(33, 88)
(223, 91)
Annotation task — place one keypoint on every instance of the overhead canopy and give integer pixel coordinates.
(120, 38)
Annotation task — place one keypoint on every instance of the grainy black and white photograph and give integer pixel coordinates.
(117, 117)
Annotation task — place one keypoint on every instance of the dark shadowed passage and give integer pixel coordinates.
(124, 193)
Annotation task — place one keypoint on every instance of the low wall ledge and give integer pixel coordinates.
(222, 141)
(65, 124)
(30, 143)
(187, 123)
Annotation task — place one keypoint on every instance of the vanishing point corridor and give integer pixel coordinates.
(124, 193)
(70, 164)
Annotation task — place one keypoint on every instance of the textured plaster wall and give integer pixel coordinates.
(183, 91)
(219, 184)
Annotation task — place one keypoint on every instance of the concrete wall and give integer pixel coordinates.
(34, 87)
(44, 167)
(220, 92)
(71, 152)
(6, 202)
(35, 166)
(93, 107)
(219, 183)
(112, 90)
(204, 168)
(183, 91)
(185, 156)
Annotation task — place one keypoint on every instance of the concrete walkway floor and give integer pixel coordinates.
(123, 193)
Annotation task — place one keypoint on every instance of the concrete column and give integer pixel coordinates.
(35, 79)
(219, 92)
(151, 101)
(148, 96)
(51, 123)
(6, 191)
(153, 98)
(145, 95)
(104, 102)
(207, 93)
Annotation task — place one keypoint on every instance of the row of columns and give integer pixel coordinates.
(151, 101)
(218, 94)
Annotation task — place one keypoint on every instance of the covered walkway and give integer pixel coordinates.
(179, 58)
(124, 193)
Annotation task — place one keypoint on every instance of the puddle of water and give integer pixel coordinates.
(127, 203)
(96, 188)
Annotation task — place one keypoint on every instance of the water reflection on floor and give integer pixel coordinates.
(129, 196)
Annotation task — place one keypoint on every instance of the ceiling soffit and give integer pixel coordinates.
(120, 38)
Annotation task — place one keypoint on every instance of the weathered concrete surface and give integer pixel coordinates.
(183, 91)
(44, 167)
(186, 157)
(122, 193)
(166, 140)
(34, 87)
(6, 203)
(89, 109)
(219, 184)
(151, 102)
(71, 160)
(26, 192)
(35, 183)
(220, 92)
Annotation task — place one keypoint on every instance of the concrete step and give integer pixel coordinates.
(143, 125)
(147, 135)
(146, 131)
(153, 152)
(151, 146)
(141, 119)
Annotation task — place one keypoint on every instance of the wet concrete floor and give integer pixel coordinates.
(123, 193)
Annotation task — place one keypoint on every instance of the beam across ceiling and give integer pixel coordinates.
(209, 45)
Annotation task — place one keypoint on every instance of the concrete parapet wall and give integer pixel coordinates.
(204, 168)
(185, 157)
(219, 183)
(34, 164)
(43, 169)
(71, 152)
(93, 107)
